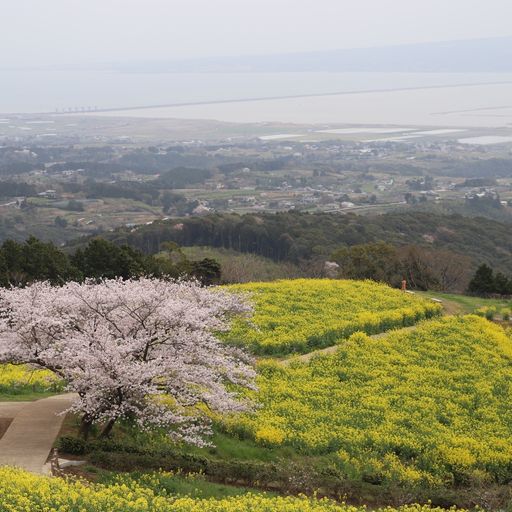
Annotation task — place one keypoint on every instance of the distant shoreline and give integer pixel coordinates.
(269, 98)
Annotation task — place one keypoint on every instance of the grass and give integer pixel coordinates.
(464, 304)
(240, 267)
(26, 396)
(226, 446)
(193, 485)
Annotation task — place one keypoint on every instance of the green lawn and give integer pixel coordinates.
(463, 304)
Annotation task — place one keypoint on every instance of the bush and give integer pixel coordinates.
(490, 313)
(72, 445)
(254, 473)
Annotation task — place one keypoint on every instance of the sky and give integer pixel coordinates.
(87, 32)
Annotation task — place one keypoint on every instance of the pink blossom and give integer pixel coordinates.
(122, 345)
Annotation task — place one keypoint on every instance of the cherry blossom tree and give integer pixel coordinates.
(145, 350)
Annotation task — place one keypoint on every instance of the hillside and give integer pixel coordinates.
(428, 406)
(294, 236)
(20, 490)
(412, 414)
(305, 314)
(475, 55)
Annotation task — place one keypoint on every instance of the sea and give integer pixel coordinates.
(416, 99)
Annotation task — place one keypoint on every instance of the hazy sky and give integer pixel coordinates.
(60, 32)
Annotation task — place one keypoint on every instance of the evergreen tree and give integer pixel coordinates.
(502, 284)
(33, 260)
(103, 259)
(483, 282)
(207, 271)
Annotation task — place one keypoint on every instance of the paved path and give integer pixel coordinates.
(11, 409)
(30, 437)
(304, 358)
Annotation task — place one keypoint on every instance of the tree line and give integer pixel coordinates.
(301, 237)
(486, 282)
(422, 268)
(33, 260)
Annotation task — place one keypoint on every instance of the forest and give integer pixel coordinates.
(299, 237)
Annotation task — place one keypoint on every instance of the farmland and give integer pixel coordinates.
(413, 414)
(427, 406)
(22, 491)
(20, 382)
(304, 314)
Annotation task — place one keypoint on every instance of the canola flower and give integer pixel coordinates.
(425, 407)
(20, 379)
(303, 314)
(24, 492)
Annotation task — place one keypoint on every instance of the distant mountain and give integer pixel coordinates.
(476, 55)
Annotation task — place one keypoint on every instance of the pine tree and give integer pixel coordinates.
(483, 282)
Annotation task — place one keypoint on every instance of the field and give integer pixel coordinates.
(455, 303)
(22, 382)
(414, 414)
(425, 407)
(304, 314)
(21, 491)
(240, 267)
(104, 214)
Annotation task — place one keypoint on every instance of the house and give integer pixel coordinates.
(48, 194)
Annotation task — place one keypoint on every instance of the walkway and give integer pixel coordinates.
(30, 437)
(304, 358)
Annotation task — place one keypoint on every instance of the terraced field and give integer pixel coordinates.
(21, 491)
(305, 314)
(426, 407)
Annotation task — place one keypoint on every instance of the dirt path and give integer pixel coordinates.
(449, 308)
(31, 434)
(304, 358)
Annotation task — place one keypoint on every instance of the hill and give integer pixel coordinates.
(415, 414)
(424, 407)
(410, 415)
(473, 55)
(240, 267)
(303, 314)
(295, 236)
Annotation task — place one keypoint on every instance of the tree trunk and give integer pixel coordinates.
(85, 427)
(107, 429)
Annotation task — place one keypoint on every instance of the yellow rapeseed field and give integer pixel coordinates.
(20, 379)
(425, 407)
(303, 314)
(23, 492)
